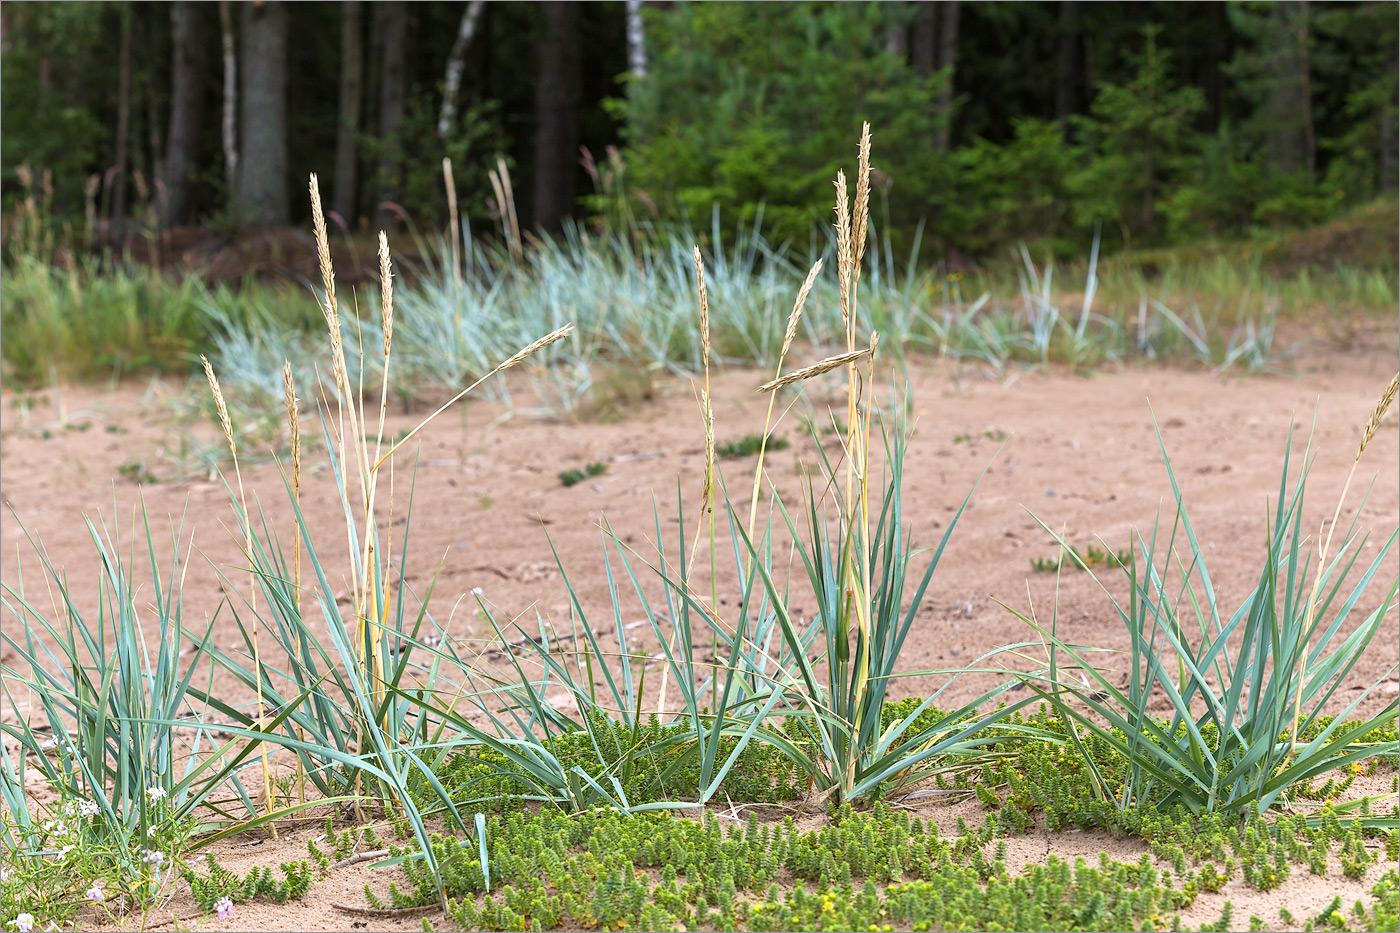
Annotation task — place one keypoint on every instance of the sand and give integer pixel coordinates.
(1077, 452)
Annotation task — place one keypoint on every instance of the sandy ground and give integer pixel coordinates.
(1078, 452)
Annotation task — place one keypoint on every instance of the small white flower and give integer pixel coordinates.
(69, 808)
(224, 908)
(24, 923)
(4, 875)
(63, 852)
(89, 808)
(155, 793)
(154, 856)
(150, 831)
(95, 893)
(56, 828)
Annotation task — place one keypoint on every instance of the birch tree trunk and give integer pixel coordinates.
(456, 63)
(230, 135)
(636, 40)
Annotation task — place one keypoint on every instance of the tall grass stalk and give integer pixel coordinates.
(857, 574)
(248, 552)
(1373, 424)
(290, 402)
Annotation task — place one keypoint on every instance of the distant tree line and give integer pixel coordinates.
(1151, 122)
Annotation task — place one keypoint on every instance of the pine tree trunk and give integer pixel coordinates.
(1069, 60)
(1286, 142)
(1305, 94)
(393, 25)
(1390, 139)
(925, 53)
(947, 61)
(181, 148)
(118, 227)
(230, 101)
(556, 116)
(352, 79)
(263, 191)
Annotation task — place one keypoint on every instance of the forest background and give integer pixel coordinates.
(1155, 123)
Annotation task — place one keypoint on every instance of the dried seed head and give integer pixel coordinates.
(386, 292)
(330, 307)
(1378, 415)
(861, 215)
(797, 306)
(323, 243)
(816, 369)
(704, 305)
(289, 399)
(843, 247)
(538, 345)
(219, 404)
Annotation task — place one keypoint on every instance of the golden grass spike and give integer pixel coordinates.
(535, 347)
(816, 369)
(1378, 415)
(861, 215)
(704, 305)
(323, 243)
(330, 308)
(386, 292)
(797, 307)
(219, 404)
(843, 250)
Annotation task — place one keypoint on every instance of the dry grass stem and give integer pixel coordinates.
(818, 368)
(794, 318)
(454, 228)
(505, 199)
(1372, 425)
(294, 428)
(533, 348)
(253, 583)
